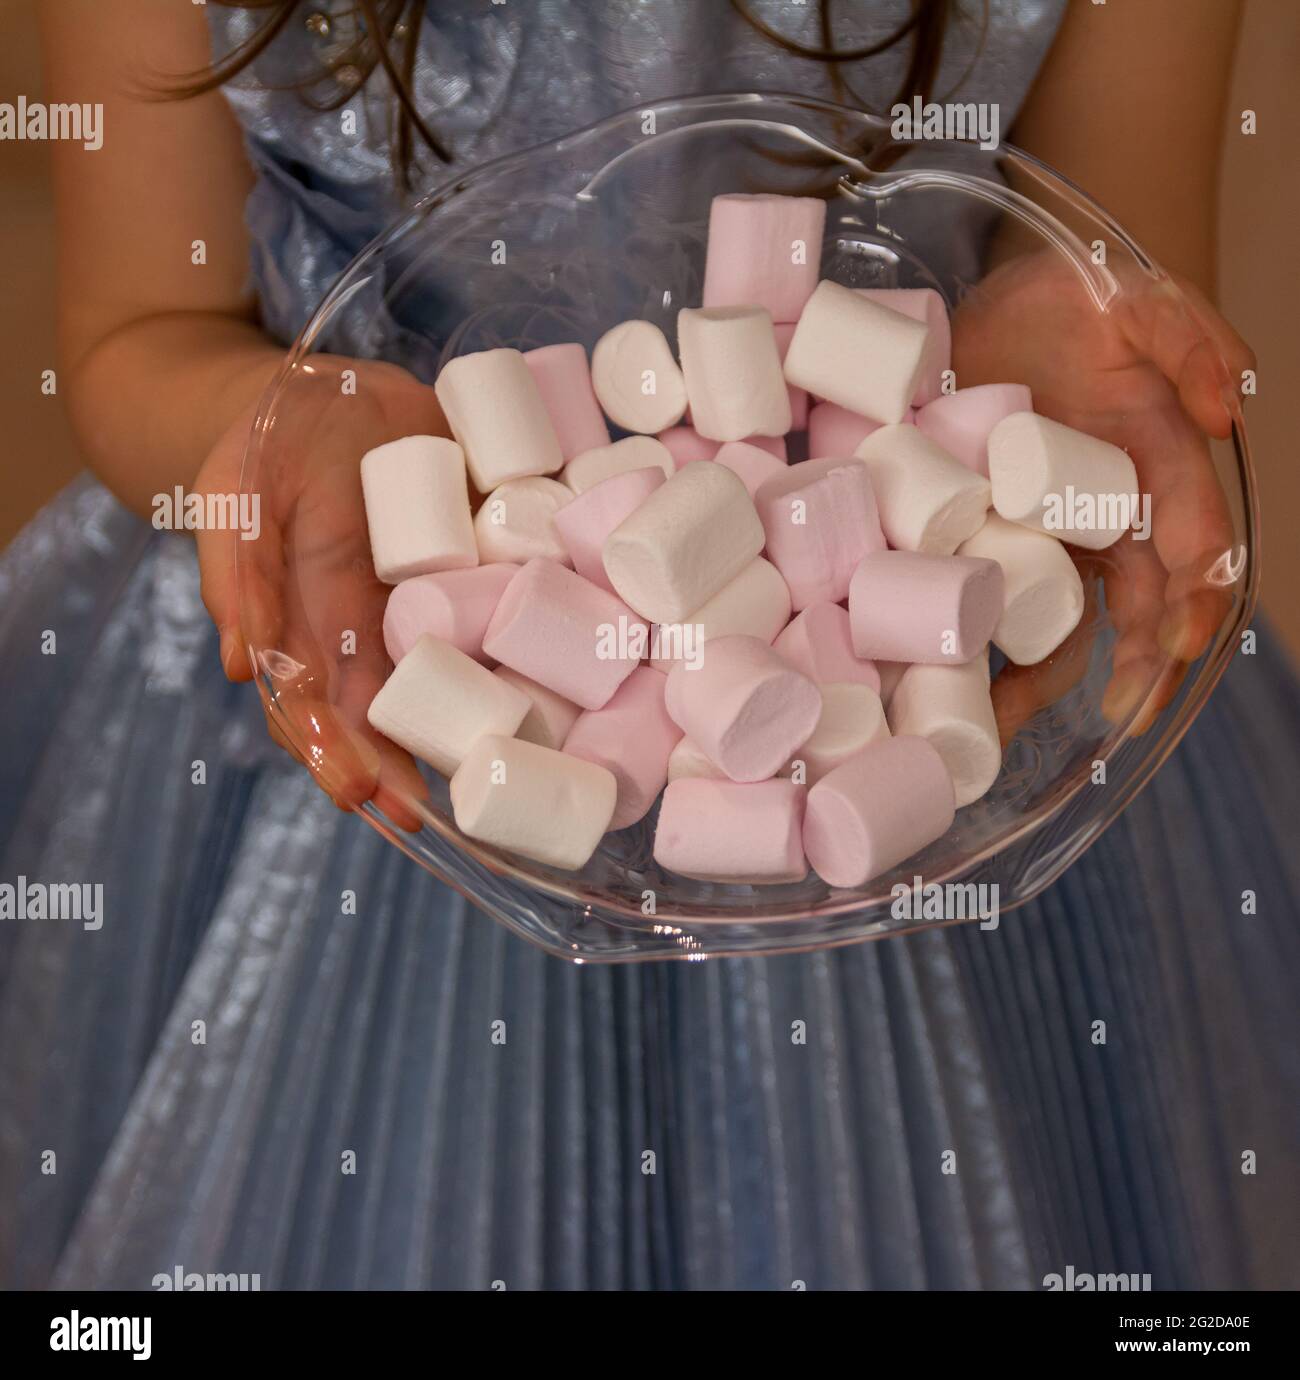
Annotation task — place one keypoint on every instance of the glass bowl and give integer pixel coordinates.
(559, 243)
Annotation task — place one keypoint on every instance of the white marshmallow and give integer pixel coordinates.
(756, 603)
(496, 412)
(438, 702)
(514, 524)
(1042, 594)
(1061, 481)
(732, 368)
(952, 707)
(928, 307)
(551, 717)
(927, 501)
(417, 508)
(590, 468)
(852, 719)
(691, 537)
(853, 352)
(636, 378)
(533, 801)
(688, 760)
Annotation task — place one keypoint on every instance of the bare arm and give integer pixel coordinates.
(1131, 104)
(159, 354)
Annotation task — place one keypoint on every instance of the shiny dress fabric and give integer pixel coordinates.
(774, 1159)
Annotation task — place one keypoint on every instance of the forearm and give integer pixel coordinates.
(150, 400)
(1131, 104)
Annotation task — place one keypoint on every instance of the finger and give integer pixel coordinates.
(219, 592)
(1161, 324)
(1140, 690)
(1198, 599)
(1189, 522)
(1237, 354)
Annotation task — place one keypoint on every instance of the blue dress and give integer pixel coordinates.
(187, 1086)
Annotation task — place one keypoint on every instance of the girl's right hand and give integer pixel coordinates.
(298, 606)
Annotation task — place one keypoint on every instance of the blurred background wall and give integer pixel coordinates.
(1259, 284)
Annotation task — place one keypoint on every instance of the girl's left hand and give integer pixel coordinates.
(1149, 376)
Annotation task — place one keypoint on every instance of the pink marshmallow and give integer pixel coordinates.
(686, 444)
(820, 520)
(743, 706)
(454, 605)
(908, 606)
(585, 522)
(565, 633)
(719, 831)
(818, 643)
(928, 307)
(751, 464)
(960, 422)
(877, 809)
(798, 396)
(834, 430)
(632, 737)
(563, 378)
(764, 251)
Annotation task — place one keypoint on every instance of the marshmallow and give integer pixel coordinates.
(749, 463)
(764, 251)
(876, 810)
(891, 672)
(563, 379)
(687, 760)
(417, 507)
(951, 708)
(960, 422)
(928, 307)
(820, 520)
(686, 444)
(851, 351)
(905, 606)
(438, 702)
(818, 643)
(1061, 481)
(636, 378)
(632, 453)
(756, 603)
(551, 717)
(743, 706)
(784, 332)
(565, 633)
(515, 522)
(684, 543)
(454, 605)
(852, 718)
(927, 500)
(584, 523)
(495, 410)
(718, 831)
(834, 430)
(1042, 594)
(533, 801)
(733, 372)
(632, 737)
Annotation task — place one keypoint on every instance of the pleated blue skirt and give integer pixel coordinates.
(232, 1075)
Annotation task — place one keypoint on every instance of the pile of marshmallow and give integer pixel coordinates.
(793, 656)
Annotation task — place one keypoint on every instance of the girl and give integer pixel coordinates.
(236, 1077)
